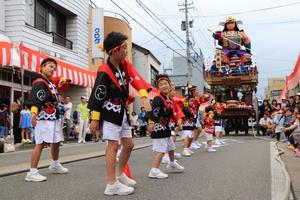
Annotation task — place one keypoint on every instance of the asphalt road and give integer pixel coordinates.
(240, 170)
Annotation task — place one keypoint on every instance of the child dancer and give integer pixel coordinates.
(209, 128)
(43, 100)
(197, 119)
(174, 130)
(110, 96)
(218, 125)
(188, 126)
(163, 109)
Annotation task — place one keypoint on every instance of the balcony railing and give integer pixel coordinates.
(60, 40)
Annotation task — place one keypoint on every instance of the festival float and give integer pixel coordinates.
(234, 76)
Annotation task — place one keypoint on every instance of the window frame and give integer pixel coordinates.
(153, 75)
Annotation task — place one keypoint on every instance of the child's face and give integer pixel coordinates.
(164, 86)
(196, 92)
(122, 52)
(49, 69)
(288, 113)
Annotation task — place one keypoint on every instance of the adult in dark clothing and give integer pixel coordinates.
(16, 109)
(264, 108)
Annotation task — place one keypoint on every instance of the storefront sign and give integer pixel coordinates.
(97, 32)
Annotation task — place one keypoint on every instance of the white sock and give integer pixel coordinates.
(55, 162)
(33, 170)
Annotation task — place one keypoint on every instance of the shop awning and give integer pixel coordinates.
(6, 53)
(31, 59)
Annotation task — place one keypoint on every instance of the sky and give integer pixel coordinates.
(274, 33)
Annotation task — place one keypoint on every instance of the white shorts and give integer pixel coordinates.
(162, 145)
(209, 137)
(218, 128)
(187, 133)
(48, 131)
(114, 132)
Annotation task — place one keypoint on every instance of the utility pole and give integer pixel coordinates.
(185, 26)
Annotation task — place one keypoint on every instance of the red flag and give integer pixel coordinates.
(127, 171)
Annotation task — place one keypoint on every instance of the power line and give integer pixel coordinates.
(153, 37)
(149, 31)
(273, 23)
(139, 15)
(242, 12)
(157, 20)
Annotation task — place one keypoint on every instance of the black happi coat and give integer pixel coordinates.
(161, 114)
(188, 121)
(111, 91)
(44, 96)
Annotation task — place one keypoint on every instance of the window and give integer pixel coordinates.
(5, 75)
(154, 72)
(29, 12)
(50, 20)
(41, 16)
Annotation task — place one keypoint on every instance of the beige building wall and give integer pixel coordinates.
(274, 88)
(118, 25)
(110, 24)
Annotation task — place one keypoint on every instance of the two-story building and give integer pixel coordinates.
(41, 28)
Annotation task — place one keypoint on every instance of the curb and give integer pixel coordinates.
(278, 181)
(23, 167)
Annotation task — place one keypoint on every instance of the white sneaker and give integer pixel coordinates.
(218, 142)
(156, 173)
(211, 150)
(191, 152)
(24, 141)
(118, 189)
(58, 169)
(222, 141)
(83, 141)
(175, 167)
(177, 155)
(79, 141)
(126, 180)
(194, 146)
(165, 159)
(35, 177)
(199, 144)
(186, 153)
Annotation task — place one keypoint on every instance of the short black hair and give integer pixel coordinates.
(112, 40)
(46, 60)
(209, 108)
(192, 88)
(159, 77)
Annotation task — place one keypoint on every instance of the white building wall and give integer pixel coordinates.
(142, 64)
(2, 16)
(77, 30)
(12, 23)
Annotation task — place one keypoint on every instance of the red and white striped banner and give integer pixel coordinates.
(6, 49)
(31, 60)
